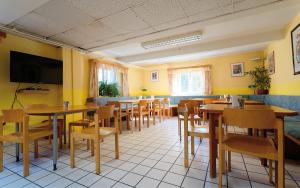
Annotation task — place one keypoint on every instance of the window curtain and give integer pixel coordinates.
(125, 87)
(194, 80)
(93, 86)
(208, 82)
(110, 72)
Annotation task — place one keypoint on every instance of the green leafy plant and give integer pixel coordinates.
(260, 77)
(110, 90)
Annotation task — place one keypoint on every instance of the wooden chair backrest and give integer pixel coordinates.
(193, 106)
(106, 112)
(13, 116)
(250, 118)
(35, 106)
(166, 102)
(156, 103)
(115, 103)
(143, 104)
(182, 103)
(210, 100)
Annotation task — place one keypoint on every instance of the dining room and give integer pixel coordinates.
(150, 93)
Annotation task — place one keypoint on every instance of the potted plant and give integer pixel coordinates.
(110, 90)
(261, 80)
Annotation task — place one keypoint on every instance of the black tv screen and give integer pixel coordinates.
(35, 69)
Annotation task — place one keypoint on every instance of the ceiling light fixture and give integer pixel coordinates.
(173, 40)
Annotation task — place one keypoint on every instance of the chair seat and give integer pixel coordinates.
(83, 122)
(144, 112)
(200, 131)
(103, 131)
(196, 117)
(251, 145)
(34, 134)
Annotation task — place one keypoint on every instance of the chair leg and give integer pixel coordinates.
(1, 156)
(69, 134)
(220, 166)
(72, 152)
(179, 128)
(120, 125)
(160, 116)
(26, 158)
(229, 161)
(92, 148)
(148, 120)
(154, 120)
(87, 144)
(140, 122)
(270, 172)
(117, 146)
(97, 155)
(192, 145)
(36, 148)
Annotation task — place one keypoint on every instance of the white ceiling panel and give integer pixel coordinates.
(11, 10)
(251, 4)
(61, 13)
(38, 24)
(125, 21)
(71, 37)
(100, 8)
(157, 12)
(192, 7)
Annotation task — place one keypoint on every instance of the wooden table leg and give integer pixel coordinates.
(212, 145)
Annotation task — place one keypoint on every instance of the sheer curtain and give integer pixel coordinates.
(190, 81)
(112, 73)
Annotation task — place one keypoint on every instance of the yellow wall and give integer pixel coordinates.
(284, 82)
(7, 88)
(222, 81)
(135, 81)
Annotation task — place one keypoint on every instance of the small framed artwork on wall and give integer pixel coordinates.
(295, 35)
(154, 76)
(237, 69)
(271, 62)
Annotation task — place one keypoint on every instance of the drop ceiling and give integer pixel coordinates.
(117, 27)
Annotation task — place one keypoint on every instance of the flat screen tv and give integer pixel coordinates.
(29, 68)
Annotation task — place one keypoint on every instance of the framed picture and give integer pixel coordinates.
(271, 62)
(154, 76)
(237, 69)
(295, 36)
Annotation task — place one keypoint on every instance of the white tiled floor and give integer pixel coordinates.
(150, 158)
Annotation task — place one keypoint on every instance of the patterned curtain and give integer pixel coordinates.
(125, 82)
(170, 77)
(208, 82)
(93, 89)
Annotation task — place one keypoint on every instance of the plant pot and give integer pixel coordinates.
(262, 91)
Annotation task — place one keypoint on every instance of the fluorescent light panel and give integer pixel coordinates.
(173, 40)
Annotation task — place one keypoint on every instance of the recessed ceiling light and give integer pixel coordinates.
(173, 40)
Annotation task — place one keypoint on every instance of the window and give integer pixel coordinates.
(111, 75)
(188, 82)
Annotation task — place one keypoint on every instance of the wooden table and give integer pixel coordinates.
(55, 112)
(249, 102)
(214, 110)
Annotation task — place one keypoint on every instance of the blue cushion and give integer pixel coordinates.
(292, 127)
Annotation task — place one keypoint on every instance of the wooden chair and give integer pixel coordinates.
(192, 130)
(166, 105)
(157, 109)
(141, 111)
(121, 113)
(96, 133)
(256, 146)
(85, 122)
(48, 122)
(196, 118)
(20, 137)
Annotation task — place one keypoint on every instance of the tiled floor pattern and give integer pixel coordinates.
(150, 158)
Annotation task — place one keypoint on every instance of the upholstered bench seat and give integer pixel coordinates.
(292, 127)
